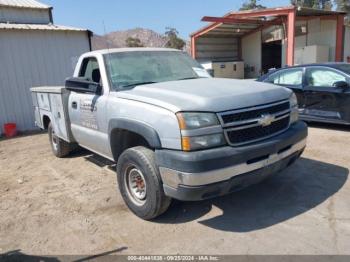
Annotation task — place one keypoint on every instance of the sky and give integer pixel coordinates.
(113, 15)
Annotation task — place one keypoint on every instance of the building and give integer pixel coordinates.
(33, 52)
(273, 38)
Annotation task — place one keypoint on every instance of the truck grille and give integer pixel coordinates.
(255, 124)
(246, 115)
(257, 132)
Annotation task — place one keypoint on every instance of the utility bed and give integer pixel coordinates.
(52, 101)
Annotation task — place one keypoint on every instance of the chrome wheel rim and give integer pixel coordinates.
(54, 140)
(135, 184)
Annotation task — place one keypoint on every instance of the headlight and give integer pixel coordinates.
(293, 101)
(294, 114)
(190, 123)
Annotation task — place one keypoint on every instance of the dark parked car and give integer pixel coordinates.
(323, 90)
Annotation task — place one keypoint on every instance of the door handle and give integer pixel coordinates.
(74, 105)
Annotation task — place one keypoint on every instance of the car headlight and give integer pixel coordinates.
(190, 122)
(294, 113)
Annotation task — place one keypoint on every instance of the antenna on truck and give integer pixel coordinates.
(108, 51)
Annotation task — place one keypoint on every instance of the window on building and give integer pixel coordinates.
(300, 29)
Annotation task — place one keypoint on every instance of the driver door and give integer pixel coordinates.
(87, 111)
(322, 99)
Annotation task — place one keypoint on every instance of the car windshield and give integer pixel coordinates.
(129, 69)
(344, 67)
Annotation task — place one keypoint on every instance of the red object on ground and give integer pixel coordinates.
(348, 58)
(10, 130)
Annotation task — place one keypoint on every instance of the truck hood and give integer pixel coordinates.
(206, 94)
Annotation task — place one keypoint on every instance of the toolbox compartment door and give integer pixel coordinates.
(52, 102)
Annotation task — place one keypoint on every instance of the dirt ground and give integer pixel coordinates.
(51, 206)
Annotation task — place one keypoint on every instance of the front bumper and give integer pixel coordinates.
(209, 173)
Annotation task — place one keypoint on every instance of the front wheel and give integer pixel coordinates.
(60, 148)
(140, 184)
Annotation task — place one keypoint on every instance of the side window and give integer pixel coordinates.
(292, 77)
(90, 70)
(323, 77)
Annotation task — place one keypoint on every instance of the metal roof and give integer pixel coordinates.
(24, 4)
(306, 11)
(52, 27)
(300, 11)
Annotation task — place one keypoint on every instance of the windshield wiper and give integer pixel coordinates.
(187, 78)
(139, 84)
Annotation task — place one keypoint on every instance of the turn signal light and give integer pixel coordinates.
(186, 143)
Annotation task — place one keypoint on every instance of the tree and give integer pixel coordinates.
(174, 41)
(316, 4)
(344, 5)
(133, 42)
(251, 5)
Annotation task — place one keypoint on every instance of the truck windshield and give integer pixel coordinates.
(129, 69)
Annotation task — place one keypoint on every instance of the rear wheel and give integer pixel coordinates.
(60, 148)
(140, 184)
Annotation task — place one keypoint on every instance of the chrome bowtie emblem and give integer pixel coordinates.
(266, 120)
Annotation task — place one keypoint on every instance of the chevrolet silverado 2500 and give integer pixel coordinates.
(174, 132)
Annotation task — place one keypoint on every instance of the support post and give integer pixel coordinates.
(193, 47)
(290, 37)
(339, 39)
(239, 45)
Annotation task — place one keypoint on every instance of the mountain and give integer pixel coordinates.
(149, 38)
(117, 39)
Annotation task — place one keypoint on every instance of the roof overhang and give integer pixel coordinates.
(237, 24)
(47, 27)
(25, 4)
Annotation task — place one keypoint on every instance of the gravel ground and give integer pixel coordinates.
(51, 206)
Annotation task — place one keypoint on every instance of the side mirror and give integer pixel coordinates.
(82, 85)
(341, 85)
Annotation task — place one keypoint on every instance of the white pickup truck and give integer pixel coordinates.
(173, 131)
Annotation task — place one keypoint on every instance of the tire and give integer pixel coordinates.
(137, 170)
(60, 148)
